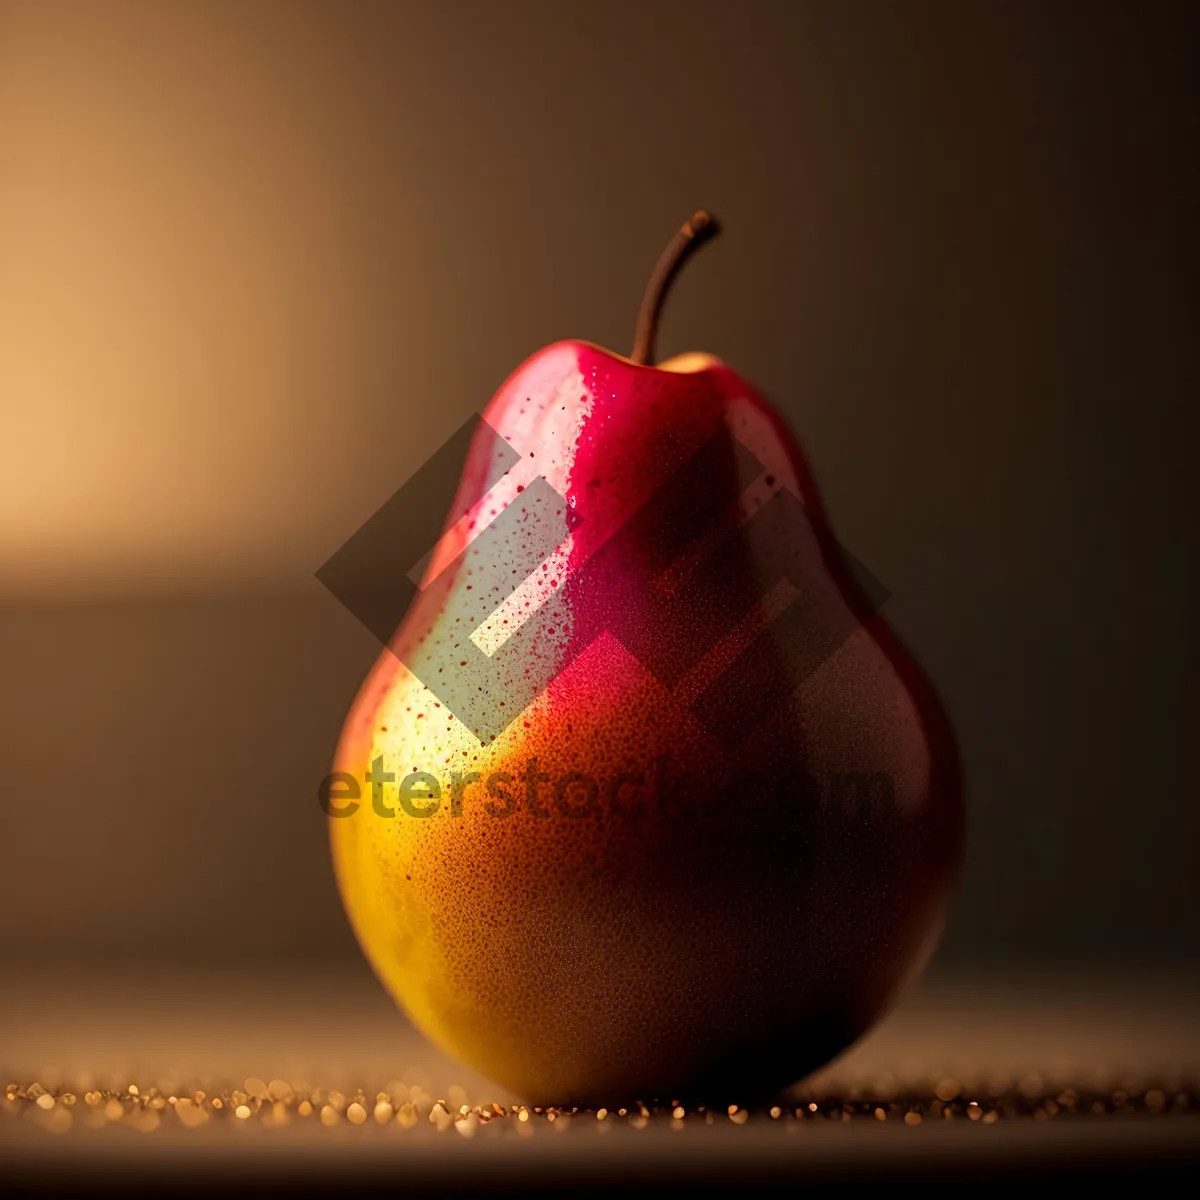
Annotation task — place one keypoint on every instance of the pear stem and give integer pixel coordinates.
(693, 233)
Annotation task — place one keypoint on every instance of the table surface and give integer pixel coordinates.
(1087, 1075)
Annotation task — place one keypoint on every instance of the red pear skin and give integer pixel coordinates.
(741, 915)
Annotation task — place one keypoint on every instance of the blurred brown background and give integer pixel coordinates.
(258, 260)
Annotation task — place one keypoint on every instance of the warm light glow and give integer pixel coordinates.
(188, 348)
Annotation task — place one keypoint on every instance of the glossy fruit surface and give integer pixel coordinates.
(742, 821)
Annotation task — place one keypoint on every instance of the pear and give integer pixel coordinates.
(660, 808)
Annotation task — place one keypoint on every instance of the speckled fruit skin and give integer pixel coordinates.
(696, 938)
